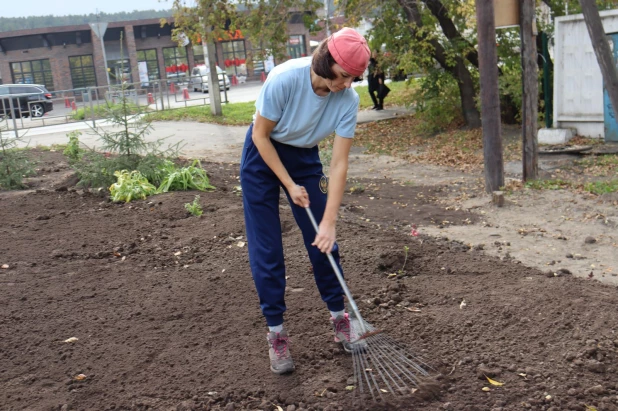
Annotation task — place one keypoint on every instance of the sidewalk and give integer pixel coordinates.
(201, 140)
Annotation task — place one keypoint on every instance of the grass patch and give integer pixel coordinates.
(602, 187)
(400, 95)
(102, 111)
(234, 114)
(552, 184)
(604, 165)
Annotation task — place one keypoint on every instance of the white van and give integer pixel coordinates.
(199, 78)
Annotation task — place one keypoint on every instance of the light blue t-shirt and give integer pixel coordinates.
(304, 118)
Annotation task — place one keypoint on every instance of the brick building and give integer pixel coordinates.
(72, 57)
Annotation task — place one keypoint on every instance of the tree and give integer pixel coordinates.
(601, 49)
(263, 21)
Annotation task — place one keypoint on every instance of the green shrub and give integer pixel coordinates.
(14, 164)
(195, 208)
(192, 177)
(131, 185)
(437, 101)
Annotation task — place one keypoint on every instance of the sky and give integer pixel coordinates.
(65, 7)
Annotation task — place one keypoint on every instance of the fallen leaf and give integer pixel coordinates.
(383, 390)
(177, 253)
(463, 304)
(241, 244)
(70, 340)
(80, 377)
(522, 375)
(5, 266)
(486, 389)
(413, 309)
(493, 382)
(350, 387)
(278, 407)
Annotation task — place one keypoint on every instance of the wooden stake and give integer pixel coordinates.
(530, 96)
(490, 97)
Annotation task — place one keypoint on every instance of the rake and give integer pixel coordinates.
(381, 364)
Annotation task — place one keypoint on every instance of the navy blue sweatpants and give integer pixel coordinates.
(260, 191)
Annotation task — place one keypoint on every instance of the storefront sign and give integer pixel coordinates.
(143, 72)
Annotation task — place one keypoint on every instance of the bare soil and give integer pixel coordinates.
(166, 316)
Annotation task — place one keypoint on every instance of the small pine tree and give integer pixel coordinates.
(124, 147)
(14, 163)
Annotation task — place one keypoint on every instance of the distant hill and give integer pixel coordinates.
(35, 22)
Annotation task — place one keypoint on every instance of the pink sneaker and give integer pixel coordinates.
(341, 325)
(279, 352)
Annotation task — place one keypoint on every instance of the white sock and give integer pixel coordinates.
(276, 328)
(335, 314)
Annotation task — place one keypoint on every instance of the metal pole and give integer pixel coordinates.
(546, 90)
(12, 111)
(94, 124)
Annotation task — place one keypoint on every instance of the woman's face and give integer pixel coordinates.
(342, 81)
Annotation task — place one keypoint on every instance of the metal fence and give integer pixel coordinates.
(21, 111)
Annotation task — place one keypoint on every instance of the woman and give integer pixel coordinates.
(375, 80)
(302, 102)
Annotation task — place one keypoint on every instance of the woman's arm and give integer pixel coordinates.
(262, 128)
(325, 239)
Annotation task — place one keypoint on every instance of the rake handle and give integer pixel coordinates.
(333, 264)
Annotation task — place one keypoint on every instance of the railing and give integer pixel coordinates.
(147, 97)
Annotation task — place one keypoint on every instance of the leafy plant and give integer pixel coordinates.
(14, 164)
(72, 150)
(192, 177)
(195, 208)
(405, 250)
(124, 147)
(131, 185)
(554, 184)
(602, 187)
(437, 102)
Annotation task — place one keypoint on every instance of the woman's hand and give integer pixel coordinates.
(299, 195)
(325, 239)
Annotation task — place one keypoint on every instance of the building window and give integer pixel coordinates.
(234, 57)
(296, 47)
(33, 72)
(119, 71)
(198, 55)
(82, 71)
(151, 68)
(176, 63)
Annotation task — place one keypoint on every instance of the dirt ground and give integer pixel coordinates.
(166, 316)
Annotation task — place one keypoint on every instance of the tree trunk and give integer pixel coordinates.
(530, 95)
(601, 49)
(490, 96)
(458, 69)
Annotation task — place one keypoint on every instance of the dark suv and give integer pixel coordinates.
(28, 100)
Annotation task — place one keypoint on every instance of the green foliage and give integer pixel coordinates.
(35, 22)
(553, 184)
(195, 208)
(131, 185)
(73, 151)
(14, 164)
(192, 177)
(602, 187)
(234, 114)
(437, 101)
(264, 22)
(101, 111)
(124, 147)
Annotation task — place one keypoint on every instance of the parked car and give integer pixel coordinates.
(199, 78)
(28, 100)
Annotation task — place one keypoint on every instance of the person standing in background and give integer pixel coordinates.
(375, 80)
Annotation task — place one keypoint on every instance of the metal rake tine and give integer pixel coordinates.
(386, 341)
(363, 372)
(381, 366)
(397, 344)
(396, 371)
(392, 355)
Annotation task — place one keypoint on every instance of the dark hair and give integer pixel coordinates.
(323, 62)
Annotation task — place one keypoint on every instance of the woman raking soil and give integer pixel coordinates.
(301, 103)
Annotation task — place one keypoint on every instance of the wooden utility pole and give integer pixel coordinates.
(601, 49)
(530, 86)
(490, 97)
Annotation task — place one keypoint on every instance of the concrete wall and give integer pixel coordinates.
(578, 82)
